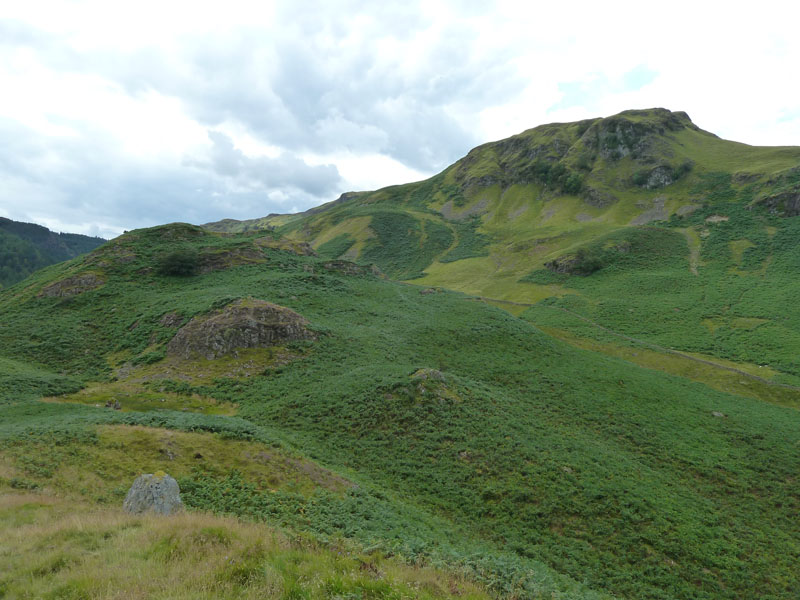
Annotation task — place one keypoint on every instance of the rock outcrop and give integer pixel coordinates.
(287, 245)
(244, 323)
(72, 286)
(785, 204)
(350, 268)
(153, 493)
(218, 260)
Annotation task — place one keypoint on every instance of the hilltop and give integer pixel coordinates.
(26, 247)
(369, 420)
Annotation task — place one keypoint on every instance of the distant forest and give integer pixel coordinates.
(26, 247)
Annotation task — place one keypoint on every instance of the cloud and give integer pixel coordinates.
(124, 115)
(86, 184)
(266, 173)
(585, 92)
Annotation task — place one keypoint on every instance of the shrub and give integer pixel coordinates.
(182, 262)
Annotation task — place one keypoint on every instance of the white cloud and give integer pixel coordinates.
(106, 107)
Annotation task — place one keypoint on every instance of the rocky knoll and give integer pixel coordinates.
(244, 323)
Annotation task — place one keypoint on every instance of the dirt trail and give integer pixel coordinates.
(693, 241)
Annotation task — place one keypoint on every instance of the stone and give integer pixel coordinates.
(784, 204)
(244, 323)
(350, 268)
(657, 212)
(219, 260)
(72, 286)
(171, 319)
(156, 493)
(293, 246)
(719, 415)
(425, 374)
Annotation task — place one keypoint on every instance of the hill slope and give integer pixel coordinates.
(25, 247)
(427, 425)
(700, 232)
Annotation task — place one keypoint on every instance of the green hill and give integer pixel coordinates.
(25, 247)
(390, 422)
(697, 231)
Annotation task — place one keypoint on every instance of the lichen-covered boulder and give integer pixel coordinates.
(153, 493)
(244, 323)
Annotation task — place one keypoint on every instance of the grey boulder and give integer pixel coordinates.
(153, 493)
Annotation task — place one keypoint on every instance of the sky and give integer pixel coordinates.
(119, 115)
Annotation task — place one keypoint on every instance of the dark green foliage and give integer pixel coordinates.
(454, 194)
(715, 187)
(336, 247)
(403, 245)
(471, 243)
(587, 262)
(181, 262)
(57, 246)
(553, 174)
(25, 248)
(18, 259)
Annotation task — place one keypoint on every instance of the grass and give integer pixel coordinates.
(706, 372)
(535, 467)
(53, 548)
(101, 466)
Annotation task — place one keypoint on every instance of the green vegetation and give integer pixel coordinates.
(632, 432)
(532, 467)
(65, 549)
(25, 247)
(471, 243)
(404, 245)
(180, 262)
(335, 247)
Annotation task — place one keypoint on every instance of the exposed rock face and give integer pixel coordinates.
(563, 265)
(171, 319)
(450, 213)
(658, 178)
(245, 323)
(295, 247)
(72, 286)
(153, 493)
(350, 268)
(598, 198)
(657, 212)
(425, 374)
(226, 259)
(786, 204)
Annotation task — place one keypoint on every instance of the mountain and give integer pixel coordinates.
(397, 440)
(26, 247)
(640, 225)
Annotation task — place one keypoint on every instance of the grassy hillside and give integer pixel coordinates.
(54, 548)
(698, 232)
(432, 428)
(25, 247)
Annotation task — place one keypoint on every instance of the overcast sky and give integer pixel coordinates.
(117, 115)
